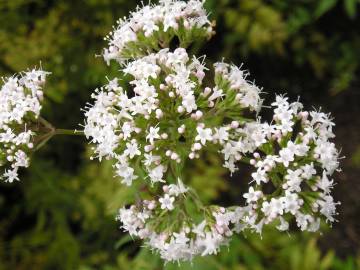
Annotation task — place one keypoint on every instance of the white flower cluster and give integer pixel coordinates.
(154, 26)
(235, 78)
(180, 241)
(169, 117)
(171, 114)
(20, 104)
(297, 158)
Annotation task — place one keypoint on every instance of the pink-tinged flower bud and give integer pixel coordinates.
(159, 113)
(199, 114)
(207, 91)
(197, 146)
(180, 109)
(200, 75)
(219, 229)
(181, 130)
(234, 124)
(165, 188)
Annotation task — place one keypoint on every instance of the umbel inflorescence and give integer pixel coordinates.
(20, 105)
(175, 109)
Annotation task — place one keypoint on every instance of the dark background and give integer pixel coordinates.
(61, 215)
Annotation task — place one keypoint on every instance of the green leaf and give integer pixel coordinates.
(350, 8)
(323, 7)
(124, 240)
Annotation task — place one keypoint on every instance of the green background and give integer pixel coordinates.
(61, 215)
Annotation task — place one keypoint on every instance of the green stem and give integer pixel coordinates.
(45, 123)
(44, 139)
(60, 131)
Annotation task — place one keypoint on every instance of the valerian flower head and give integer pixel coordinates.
(168, 117)
(165, 110)
(20, 105)
(298, 161)
(154, 26)
(179, 240)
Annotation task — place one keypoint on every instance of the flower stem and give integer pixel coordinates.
(47, 131)
(56, 131)
(45, 123)
(60, 131)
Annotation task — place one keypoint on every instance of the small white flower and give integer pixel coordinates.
(221, 134)
(178, 189)
(153, 134)
(209, 244)
(252, 195)
(199, 229)
(132, 149)
(325, 184)
(156, 174)
(291, 202)
(204, 134)
(11, 176)
(127, 129)
(294, 180)
(308, 171)
(284, 225)
(167, 202)
(259, 176)
(216, 94)
(180, 238)
(286, 156)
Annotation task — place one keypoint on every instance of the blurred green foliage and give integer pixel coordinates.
(297, 31)
(61, 216)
